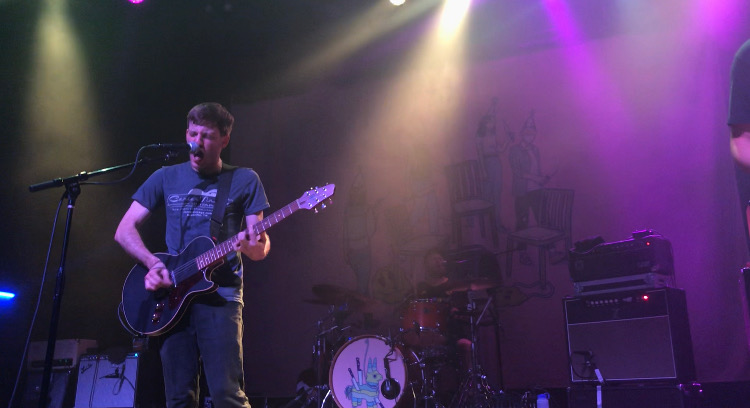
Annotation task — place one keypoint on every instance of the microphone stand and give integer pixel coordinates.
(72, 191)
(600, 379)
(475, 391)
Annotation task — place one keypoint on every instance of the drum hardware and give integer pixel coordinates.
(309, 397)
(322, 352)
(475, 391)
(429, 385)
(338, 312)
(346, 304)
(470, 285)
(336, 295)
(423, 322)
(328, 394)
(390, 388)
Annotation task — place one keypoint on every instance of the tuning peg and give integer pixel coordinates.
(315, 210)
(323, 206)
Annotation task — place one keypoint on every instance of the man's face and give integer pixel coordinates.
(435, 266)
(211, 143)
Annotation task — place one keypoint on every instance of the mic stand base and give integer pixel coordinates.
(475, 392)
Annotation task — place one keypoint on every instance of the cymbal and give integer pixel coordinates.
(316, 302)
(336, 295)
(471, 284)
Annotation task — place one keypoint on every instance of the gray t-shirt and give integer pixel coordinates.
(188, 198)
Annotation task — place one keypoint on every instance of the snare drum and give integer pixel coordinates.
(358, 371)
(424, 322)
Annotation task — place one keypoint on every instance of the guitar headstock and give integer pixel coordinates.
(316, 197)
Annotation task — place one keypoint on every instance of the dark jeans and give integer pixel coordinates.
(210, 332)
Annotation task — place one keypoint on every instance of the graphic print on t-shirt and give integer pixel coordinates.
(196, 203)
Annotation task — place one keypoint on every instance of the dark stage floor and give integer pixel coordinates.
(705, 395)
(623, 395)
(708, 395)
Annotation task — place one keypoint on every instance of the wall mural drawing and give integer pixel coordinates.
(555, 145)
(550, 231)
(360, 222)
(422, 198)
(387, 253)
(491, 148)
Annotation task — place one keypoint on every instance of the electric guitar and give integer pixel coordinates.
(154, 313)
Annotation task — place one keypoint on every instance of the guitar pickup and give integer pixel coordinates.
(157, 313)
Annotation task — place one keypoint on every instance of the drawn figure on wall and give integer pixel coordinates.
(527, 180)
(490, 147)
(392, 282)
(422, 195)
(360, 222)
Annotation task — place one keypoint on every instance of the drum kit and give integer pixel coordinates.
(417, 364)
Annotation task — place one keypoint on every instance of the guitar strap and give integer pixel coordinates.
(220, 205)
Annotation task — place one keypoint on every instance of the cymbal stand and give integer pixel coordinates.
(475, 391)
(429, 389)
(320, 388)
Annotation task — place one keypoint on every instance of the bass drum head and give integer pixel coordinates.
(358, 371)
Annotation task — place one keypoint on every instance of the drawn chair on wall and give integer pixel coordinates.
(554, 224)
(469, 203)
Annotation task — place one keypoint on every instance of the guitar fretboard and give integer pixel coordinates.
(275, 218)
(217, 253)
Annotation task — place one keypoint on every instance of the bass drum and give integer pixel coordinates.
(358, 370)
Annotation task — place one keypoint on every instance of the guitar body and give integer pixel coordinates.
(153, 313)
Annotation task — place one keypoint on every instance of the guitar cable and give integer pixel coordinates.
(38, 302)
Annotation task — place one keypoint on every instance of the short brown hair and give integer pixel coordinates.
(212, 113)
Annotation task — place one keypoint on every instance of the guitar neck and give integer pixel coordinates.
(217, 253)
(275, 218)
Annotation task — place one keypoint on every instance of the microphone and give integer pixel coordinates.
(587, 354)
(191, 147)
(390, 388)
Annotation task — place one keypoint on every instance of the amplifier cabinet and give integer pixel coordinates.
(630, 336)
(67, 353)
(644, 253)
(106, 384)
(60, 391)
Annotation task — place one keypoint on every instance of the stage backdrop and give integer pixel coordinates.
(630, 127)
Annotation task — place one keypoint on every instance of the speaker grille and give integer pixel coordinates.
(630, 336)
(106, 384)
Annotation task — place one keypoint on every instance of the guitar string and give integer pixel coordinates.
(190, 268)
